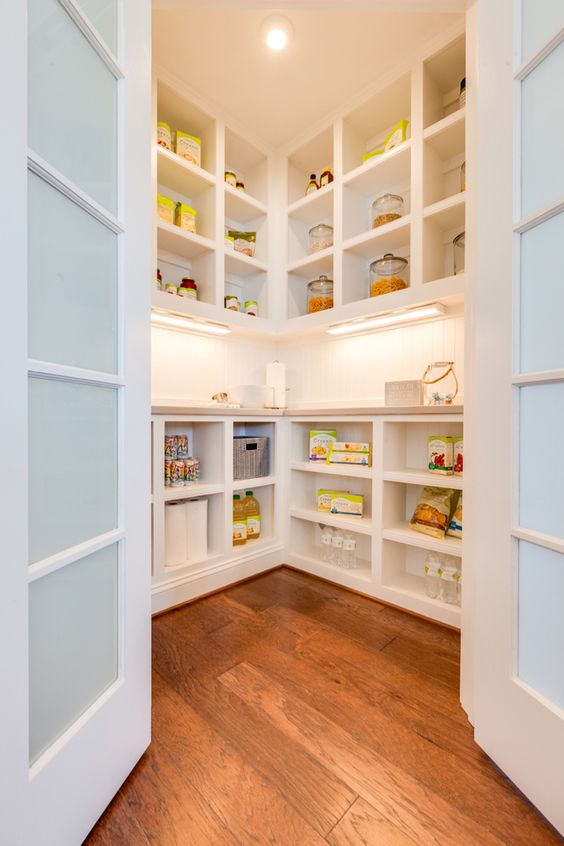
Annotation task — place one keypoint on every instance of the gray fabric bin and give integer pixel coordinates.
(250, 457)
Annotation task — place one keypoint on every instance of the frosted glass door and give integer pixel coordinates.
(85, 443)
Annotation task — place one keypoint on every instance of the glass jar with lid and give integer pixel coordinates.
(387, 274)
(386, 208)
(319, 294)
(320, 237)
(458, 248)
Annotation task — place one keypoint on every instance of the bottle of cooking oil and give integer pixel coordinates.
(239, 521)
(252, 512)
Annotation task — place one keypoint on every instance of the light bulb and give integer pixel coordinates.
(276, 39)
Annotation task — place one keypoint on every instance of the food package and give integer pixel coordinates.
(243, 242)
(458, 456)
(440, 455)
(396, 136)
(320, 441)
(324, 497)
(455, 525)
(165, 208)
(189, 147)
(349, 505)
(360, 459)
(350, 446)
(432, 513)
(185, 217)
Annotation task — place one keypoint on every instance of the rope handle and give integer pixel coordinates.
(450, 369)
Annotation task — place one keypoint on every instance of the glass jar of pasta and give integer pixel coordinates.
(387, 274)
(319, 294)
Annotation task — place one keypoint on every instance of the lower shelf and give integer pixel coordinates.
(401, 533)
(254, 547)
(310, 560)
(408, 591)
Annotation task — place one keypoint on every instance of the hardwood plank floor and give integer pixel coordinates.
(290, 712)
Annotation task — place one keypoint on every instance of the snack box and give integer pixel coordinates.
(349, 505)
(440, 455)
(320, 441)
(350, 446)
(325, 496)
(455, 526)
(360, 459)
(397, 135)
(458, 456)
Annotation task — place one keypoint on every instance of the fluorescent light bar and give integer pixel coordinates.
(384, 320)
(175, 321)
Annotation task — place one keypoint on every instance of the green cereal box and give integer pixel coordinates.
(441, 451)
(320, 441)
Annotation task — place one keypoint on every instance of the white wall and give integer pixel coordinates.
(321, 371)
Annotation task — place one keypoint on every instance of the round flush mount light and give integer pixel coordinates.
(277, 32)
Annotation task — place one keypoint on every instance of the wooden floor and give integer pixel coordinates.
(288, 711)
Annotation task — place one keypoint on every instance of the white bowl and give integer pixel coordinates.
(252, 396)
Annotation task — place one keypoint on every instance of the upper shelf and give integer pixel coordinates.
(380, 240)
(242, 265)
(180, 175)
(447, 214)
(241, 206)
(175, 240)
(313, 207)
(316, 263)
(447, 136)
(380, 173)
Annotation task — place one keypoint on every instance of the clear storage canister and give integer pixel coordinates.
(387, 274)
(320, 237)
(458, 253)
(386, 208)
(319, 294)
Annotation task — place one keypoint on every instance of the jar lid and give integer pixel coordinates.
(326, 170)
(320, 229)
(250, 303)
(188, 283)
(460, 240)
(321, 284)
(387, 198)
(389, 264)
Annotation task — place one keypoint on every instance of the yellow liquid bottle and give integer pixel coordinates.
(252, 512)
(239, 521)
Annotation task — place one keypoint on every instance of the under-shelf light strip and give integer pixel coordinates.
(187, 324)
(383, 321)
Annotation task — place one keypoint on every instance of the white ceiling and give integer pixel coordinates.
(333, 55)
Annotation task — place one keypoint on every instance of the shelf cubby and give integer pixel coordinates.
(311, 157)
(442, 163)
(173, 239)
(205, 442)
(266, 495)
(347, 430)
(253, 287)
(442, 73)
(181, 114)
(298, 233)
(305, 549)
(240, 206)
(249, 164)
(215, 536)
(398, 504)
(403, 580)
(256, 429)
(256, 224)
(304, 487)
(365, 127)
(201, 268)
(356, 267)
(438, 255)
(406, 446)
(313, 208)
(182, 176)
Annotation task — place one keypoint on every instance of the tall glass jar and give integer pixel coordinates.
(387, 274)
(319, 294)
(458, 248)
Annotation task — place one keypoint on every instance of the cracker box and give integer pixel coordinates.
(324, 497)
(320, 441)
(440, 454)
(348, 505)
(359, 459)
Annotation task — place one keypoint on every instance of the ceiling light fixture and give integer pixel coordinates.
(277, 32)
(383, 321)
(176, 321)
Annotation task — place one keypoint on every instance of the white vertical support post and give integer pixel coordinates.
(219, 213)
(158, 499)
(377, 499)
(416, 183)
(338, 203)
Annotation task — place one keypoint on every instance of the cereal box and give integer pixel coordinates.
(320, 441)
(349, 505)
(324, 498)
(440, 454)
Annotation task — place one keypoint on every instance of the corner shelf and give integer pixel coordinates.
(242, 265)
(401, 533)
(316, 263)
(423, 478)
(447, 136)
(380, 240)
(310, 561)
(239, 205)
(358, 525)
(389, 168)
(447, 214)
(313, 207)
(175, 240)
(319, 467)
(181, 175)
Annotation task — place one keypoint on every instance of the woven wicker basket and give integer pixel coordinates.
(250, 457)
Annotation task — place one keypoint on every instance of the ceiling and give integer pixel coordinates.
(333, 55)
